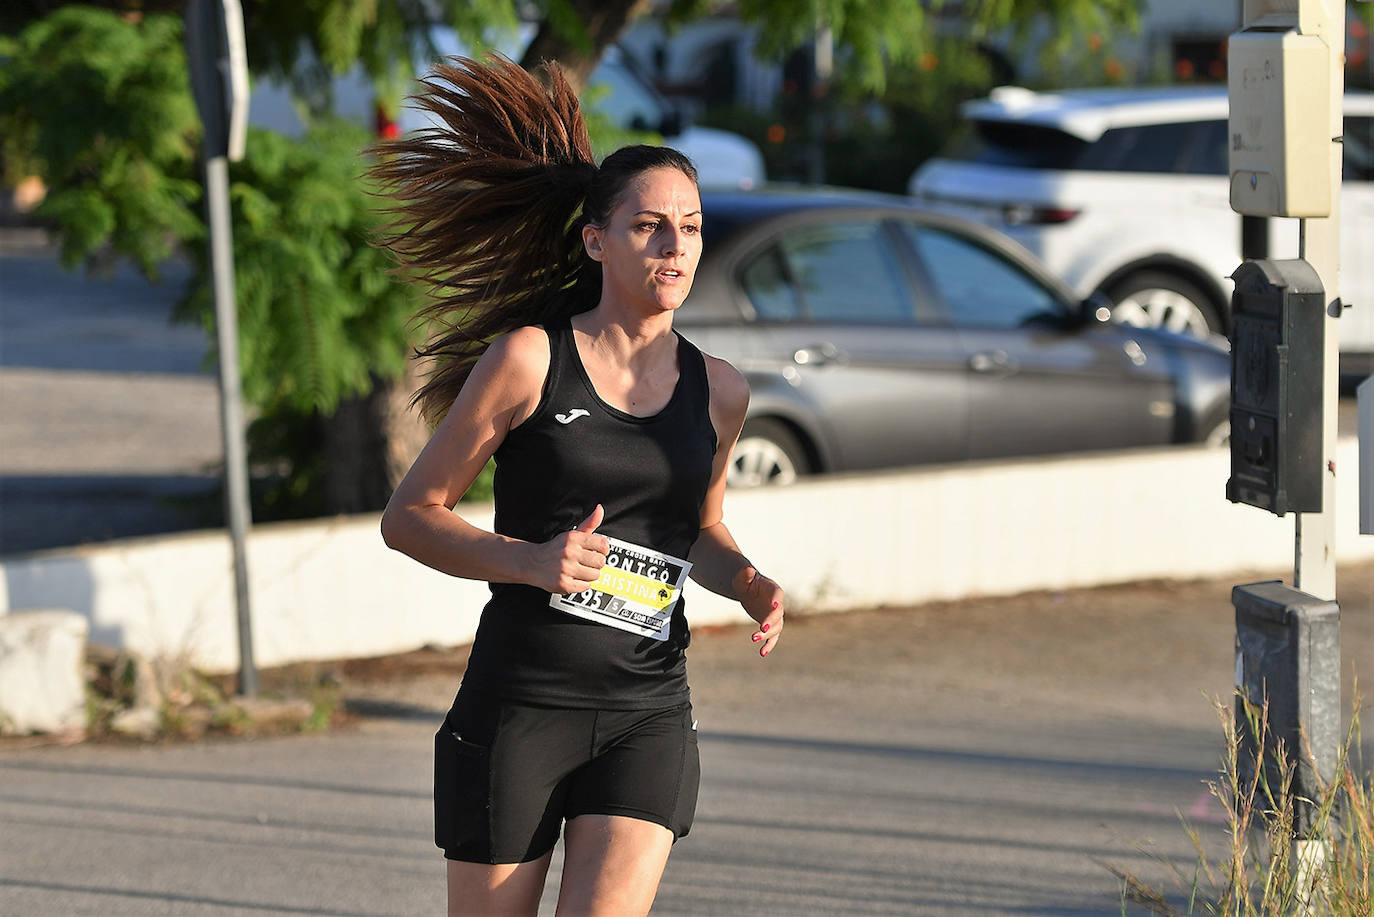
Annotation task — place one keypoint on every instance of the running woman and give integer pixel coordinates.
(555, 281)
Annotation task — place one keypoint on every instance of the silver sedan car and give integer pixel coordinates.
(874, 334)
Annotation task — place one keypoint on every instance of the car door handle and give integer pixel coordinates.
(817, 355)
(992, 362)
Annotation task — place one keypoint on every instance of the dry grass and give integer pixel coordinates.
(1263, 873)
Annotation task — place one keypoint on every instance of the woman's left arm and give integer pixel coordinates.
(717, 562)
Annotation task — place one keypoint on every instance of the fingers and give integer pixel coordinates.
(591, 522)
(770, 629)
(764, 601)
(572, 561)
(584, 553)
(581, 562)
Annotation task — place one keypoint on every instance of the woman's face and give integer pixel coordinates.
(650, 246)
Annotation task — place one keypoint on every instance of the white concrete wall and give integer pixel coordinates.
(331, 589)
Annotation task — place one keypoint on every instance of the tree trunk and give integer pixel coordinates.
(369, 443)
(604, 20)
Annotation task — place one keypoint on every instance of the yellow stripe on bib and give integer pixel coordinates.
(635, 588)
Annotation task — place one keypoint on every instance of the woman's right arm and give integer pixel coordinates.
(502, 391)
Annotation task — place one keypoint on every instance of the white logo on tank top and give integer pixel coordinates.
(571, 416)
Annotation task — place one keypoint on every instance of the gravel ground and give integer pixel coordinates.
(1155, 653)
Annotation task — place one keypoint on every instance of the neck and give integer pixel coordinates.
(627, 338)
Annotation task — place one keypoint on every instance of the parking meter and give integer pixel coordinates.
(1277, 336)
(1288, 654)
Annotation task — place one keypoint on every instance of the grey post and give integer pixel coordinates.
(215, 56)
(1288, 658)
(1320, 246)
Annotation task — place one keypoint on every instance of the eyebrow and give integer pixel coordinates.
(656, 213)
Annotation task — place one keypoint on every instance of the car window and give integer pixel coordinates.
(979, 286)
(1209, 154)
(1143, 148)
(1018, 145)
(766, 285)
(847, 272)
(1358, 149)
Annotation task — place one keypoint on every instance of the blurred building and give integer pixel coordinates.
(713, 61)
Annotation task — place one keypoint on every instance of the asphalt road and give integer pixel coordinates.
(921, 822)
(109, 419)
(965, 758)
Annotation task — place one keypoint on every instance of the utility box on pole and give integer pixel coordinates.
(1280, 165)
(1276, 387)
(1288, 656)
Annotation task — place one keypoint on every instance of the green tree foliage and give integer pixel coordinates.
(319, 312)
(94, 100)
(1070, 21)
(307, 42)
(874, 38)
(98, 105)
(100, 109)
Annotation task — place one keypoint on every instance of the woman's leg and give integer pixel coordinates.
(505, 890)
(611, 865)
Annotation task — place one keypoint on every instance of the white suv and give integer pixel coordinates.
(1124, 191)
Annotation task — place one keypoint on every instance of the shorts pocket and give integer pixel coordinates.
(462, 796)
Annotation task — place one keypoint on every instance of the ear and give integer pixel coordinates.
(591, 240)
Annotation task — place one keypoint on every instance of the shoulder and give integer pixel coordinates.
(510, 374)
(523, 345)
(728, 387)
(521, 353)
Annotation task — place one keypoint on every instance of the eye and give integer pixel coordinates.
(691, 229)
(650, 225)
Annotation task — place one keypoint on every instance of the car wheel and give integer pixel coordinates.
(767, 453)
(1154, 299)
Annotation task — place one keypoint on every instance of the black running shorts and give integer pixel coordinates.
(507, 775)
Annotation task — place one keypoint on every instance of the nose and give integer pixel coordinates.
(672, 241)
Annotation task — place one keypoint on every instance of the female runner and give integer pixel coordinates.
(555, 285)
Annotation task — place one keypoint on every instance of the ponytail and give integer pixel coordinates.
(487, 212)
(489, 209)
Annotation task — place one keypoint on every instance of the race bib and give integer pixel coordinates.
(636, 591)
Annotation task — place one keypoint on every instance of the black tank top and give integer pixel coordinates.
(650, 474)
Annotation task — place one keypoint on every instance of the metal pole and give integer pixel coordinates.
(1319, 244)
(1254, 238)
(1314, 570)
(231, 405)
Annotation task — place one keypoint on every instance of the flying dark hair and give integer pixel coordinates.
(489, 208)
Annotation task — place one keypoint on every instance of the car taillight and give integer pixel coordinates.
(1031, 215)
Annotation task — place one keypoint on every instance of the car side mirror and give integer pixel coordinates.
(1096, 309)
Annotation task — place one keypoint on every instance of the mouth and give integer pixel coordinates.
(670, 274)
